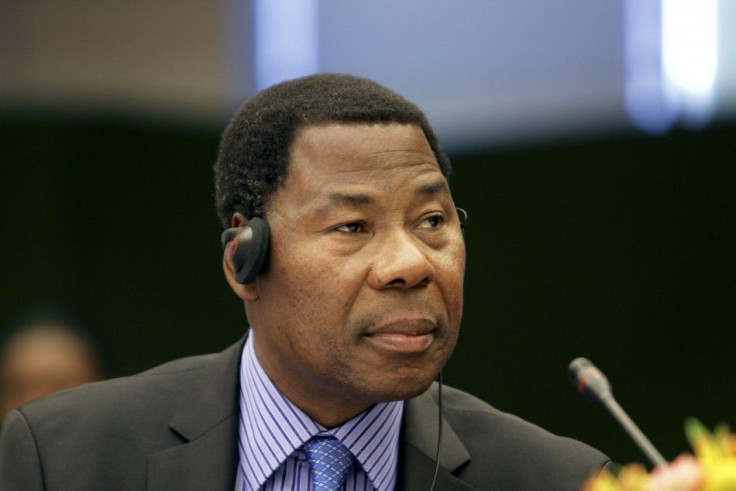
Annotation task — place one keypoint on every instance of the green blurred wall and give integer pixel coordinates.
(619, 249)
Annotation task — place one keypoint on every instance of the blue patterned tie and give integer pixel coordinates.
(330, 462)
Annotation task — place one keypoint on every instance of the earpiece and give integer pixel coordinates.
(249, 250)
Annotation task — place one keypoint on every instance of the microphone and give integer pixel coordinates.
(595, 388)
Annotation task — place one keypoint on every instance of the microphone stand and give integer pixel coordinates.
(595, 388)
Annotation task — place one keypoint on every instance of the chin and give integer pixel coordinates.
(398, 389)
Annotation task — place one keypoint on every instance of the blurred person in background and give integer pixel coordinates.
(45, 353)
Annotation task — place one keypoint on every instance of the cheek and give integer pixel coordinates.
(313, 289)
(450, 269)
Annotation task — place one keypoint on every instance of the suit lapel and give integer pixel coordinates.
(206, 419)
(419, 448)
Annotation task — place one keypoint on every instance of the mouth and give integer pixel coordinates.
(403, 336)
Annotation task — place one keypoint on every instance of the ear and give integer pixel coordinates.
(249, 293)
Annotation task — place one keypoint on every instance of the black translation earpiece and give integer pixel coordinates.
(249, 250)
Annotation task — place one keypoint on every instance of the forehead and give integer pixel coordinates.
(359, 155)
(364, 140)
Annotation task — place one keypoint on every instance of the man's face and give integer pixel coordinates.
(362, 298)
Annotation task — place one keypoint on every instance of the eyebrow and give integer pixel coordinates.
(358, 199)
(433, 188)
(351, 199)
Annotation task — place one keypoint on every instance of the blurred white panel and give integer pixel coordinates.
(286, 40)
(646, 104)
(487, 71)
(690, 57)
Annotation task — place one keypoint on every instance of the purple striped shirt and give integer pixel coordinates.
(272, 431)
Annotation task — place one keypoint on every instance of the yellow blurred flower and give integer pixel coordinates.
(712, 468)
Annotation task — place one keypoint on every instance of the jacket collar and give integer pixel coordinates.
(419, 447)
(206, 418)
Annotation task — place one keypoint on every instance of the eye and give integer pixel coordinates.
(350, 228)
(432, 222)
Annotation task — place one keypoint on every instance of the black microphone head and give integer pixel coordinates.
(589, 381)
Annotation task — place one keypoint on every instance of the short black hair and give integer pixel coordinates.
(254, 150)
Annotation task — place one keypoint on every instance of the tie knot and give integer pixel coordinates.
(330, 462)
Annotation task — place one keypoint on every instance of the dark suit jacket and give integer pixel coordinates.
(174, 428)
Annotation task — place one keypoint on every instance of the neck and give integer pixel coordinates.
(325, 410)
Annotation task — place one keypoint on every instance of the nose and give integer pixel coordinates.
(401, 261)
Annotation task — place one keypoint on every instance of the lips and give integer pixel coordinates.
(403, 336)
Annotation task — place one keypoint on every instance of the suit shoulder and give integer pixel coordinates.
(167, 377)
(156, 391)
(75, 435)
(529, 454)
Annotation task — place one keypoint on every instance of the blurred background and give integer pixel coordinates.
(593, 145)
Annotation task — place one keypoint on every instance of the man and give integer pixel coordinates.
(347, 251)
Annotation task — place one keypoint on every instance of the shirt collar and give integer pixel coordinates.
(272, 428)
